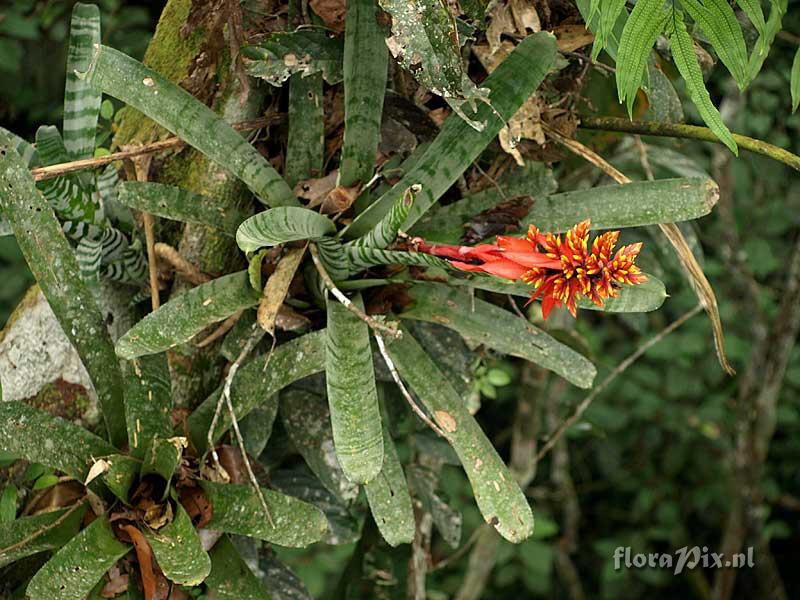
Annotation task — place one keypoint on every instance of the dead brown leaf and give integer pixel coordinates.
(145, 556)
(276, 288)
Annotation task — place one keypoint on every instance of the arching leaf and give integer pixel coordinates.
(183, 317)
(230, 577)
(458, 144)
(78, 566)
(177, 110)
(281, 225)
(30, 535)
(37, 436)
(179, 204)
(178, 550)
(254, 385)
(498, 496)
(482, 323)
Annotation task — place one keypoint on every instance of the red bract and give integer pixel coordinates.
(560, 270)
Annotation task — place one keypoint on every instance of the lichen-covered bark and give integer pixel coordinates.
(178, 49)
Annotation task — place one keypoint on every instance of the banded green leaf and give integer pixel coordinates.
(364, 90)
(482, 323)
(179, 204)
(18, 538)
(237, 509)
(689, 68)
(178, 550)
(352, 396)
(458, 144)
(644, 24)
(148, 401)
(361, 257)
(37, 436)
(385, 232)
(501, 502)
(183, 317)
(178, 111)
(282, 225)
(52, 261)
(230, 577)
(81, 102)
(254, 385)
(74, 570)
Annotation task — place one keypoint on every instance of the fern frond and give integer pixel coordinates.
(752, 8)
(607, 16)
(686, 60)
(645, 23)
(718, 22)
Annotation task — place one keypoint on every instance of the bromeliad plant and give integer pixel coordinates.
(156, 490)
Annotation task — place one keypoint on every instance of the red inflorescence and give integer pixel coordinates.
(560, 270)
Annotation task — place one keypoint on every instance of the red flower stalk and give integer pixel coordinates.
(560, 270)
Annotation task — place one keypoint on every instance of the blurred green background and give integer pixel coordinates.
(649, 464)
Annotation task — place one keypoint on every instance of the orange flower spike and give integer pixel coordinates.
(560, 270)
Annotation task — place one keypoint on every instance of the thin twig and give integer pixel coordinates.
(141, 165)
(403, 390)
(40, 532)
(224, 328)
(225, 397)
(49, 172)
(618, 370)
(337, 293)
(693, 132)
(182, 266)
